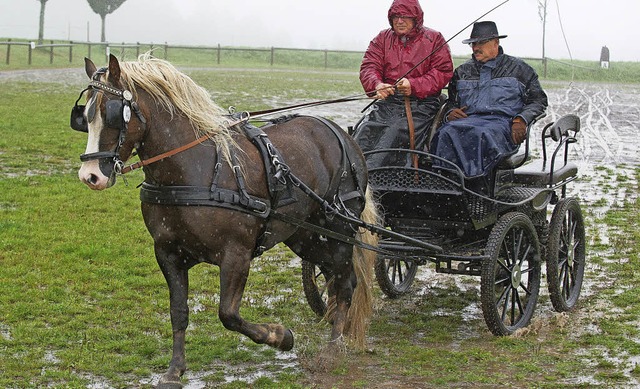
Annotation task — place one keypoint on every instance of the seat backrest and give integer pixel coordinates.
(563, 125)
(437, 120)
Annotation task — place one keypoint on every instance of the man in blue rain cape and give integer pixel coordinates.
(494, 96)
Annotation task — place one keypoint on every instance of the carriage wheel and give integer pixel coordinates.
(510, 274)
(566, 255)
(315, 282)
(394, 275)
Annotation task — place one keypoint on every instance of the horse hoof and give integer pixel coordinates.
(287, 341)
(169, 384)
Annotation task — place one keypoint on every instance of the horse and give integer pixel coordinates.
(281, 182)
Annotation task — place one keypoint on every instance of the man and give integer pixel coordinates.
(390, 55)
(494, 97)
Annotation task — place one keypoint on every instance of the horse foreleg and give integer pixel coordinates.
(344, 285)
(178, 281)
(233, 278)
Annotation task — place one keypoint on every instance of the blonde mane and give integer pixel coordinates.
(179, 94)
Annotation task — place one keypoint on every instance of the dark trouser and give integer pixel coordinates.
(385, 126)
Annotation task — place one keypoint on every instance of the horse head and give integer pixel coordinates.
(113, 120)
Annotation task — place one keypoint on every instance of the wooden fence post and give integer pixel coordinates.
(218, 54)
(51, 53)
(31, 46)
(70, 51)
(8, 50)
(326, 62)
(273, 54)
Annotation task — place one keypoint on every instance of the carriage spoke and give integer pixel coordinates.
(519, 300)
(402, 271)
(515, 305)
(505, 305)
(567, 281)
(507, 254)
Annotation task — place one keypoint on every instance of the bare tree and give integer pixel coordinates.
(103, 8)
(41, 27)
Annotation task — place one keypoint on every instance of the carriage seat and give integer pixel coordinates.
(547, 171)
(538, 173)
(514, 160)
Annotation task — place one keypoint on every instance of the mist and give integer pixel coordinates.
(575, 29)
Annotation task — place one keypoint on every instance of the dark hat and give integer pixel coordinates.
(483, 31)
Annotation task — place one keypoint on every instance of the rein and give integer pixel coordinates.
(177, 150)
(310, 104)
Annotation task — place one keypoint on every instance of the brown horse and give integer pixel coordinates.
(210, 195)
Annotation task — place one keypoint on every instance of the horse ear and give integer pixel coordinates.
(114, 69)
(89, 67)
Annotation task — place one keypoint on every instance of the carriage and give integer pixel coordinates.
(502, 236)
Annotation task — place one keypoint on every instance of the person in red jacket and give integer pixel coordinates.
(383, 75)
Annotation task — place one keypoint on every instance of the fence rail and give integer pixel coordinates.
(209, 54)
(216, 52)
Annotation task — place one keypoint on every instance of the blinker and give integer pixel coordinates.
(77, 120)
(114, 114)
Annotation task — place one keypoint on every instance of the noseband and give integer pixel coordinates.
(117, 115)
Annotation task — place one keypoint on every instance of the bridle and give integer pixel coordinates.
(117, 115)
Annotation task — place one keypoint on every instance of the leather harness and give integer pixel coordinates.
(280, 182)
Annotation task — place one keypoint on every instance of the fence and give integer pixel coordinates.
(199, 55)
(211, 55)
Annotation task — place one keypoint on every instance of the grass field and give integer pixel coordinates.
(83, 303)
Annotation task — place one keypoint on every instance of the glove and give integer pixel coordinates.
(518, 130)
(456, 113)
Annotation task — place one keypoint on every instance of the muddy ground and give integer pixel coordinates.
(607, 148)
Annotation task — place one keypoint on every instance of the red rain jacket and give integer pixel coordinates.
(390, 56)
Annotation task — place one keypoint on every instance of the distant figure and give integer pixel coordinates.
(604, 57)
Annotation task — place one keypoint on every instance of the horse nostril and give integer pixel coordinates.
(93, 179)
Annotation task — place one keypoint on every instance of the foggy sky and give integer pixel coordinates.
(334, 24)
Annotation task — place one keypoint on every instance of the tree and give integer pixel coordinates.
(103, 8)
(41, 27)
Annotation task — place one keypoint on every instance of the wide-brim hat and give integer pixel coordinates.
(483, 31)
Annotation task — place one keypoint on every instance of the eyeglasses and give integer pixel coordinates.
(480, 43)
(398, 17)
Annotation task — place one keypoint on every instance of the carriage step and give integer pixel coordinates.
(471, 265)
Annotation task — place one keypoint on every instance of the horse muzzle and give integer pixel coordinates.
(98, 170)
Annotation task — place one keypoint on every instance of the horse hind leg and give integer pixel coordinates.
(233, 278)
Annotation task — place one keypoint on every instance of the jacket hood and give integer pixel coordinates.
(407, 8)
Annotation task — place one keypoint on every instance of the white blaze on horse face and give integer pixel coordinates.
(89, 172)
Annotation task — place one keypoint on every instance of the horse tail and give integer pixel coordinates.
(363, 266)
